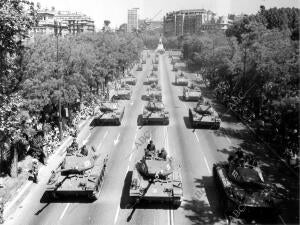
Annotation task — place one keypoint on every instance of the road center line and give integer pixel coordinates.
(196, 136)
(130, 157)
(117, 214)
(207, 166)
(106, 133)
(65, 210)
(227, 138)
(281, 220)
(185, 106)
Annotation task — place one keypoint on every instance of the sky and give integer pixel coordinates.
(116, 10)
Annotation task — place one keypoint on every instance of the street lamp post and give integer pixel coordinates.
(57, 31)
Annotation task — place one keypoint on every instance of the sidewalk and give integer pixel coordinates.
(44, 171)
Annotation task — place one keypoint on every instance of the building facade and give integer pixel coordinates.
(62, 23)
(132, 20)
(150, 25)
(190, 22)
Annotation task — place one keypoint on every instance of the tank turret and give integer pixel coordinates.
(156, 178)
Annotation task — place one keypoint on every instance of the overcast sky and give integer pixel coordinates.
(116, 10)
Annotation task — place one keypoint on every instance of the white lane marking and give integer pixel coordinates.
(65, 210)
(124, 123)
(185, 106)
(116, 141)
(168, 213)
(117, 214)
(130, 157)
(227, 138)
(133, 144)
(281, 220)
(131, 103)
(172, 216)
(127, 169)
(106, 133)
(207, 166)
(100, 145)
(86, 139)
(196, 136)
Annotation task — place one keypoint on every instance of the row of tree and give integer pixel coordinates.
(74, 68)
(37, 74)
(255, 65)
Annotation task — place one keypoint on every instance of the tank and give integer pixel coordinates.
(152, 78)
(192, 93)
(153, 92)
(123, 92)
(175, 69)
(241, 186)
(109, 113)
(79, 174)
(130, 79)
(154, 113)
(173, 61)
(140, 67)
(181, 80)
(203, 115)
(155, 68)
(156, 178)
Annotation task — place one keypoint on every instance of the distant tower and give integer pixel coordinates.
(132, 20)
(160, 48)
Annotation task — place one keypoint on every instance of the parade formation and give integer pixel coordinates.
(167, 131)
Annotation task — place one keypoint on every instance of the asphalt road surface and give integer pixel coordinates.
(194, 150)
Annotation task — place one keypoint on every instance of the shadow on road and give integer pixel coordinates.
(48, 197)
(199, 212)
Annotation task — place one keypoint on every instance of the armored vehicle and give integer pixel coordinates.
(173, 61)
(154, 113)
(203, 115)
(181, 80)
(153, 92)
(242, 186)
(140, 67)
(156, 178)
(155, 61)
(81, 173)
(130, 79)
(152, 78)
(109, 113)
(175, 69)
(155, 68)
(123, 92)
(192, 93)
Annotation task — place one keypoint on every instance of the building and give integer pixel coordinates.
(190, 22)
(150, 25)
(132, 20)
(77, 22)
(61, 22)
(48, 24)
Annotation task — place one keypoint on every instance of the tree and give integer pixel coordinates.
(16, 18)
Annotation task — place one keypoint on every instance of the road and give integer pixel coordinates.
(195, 151)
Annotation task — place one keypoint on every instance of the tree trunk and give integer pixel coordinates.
(14, 163)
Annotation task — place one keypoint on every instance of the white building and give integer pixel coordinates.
(132, 21)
